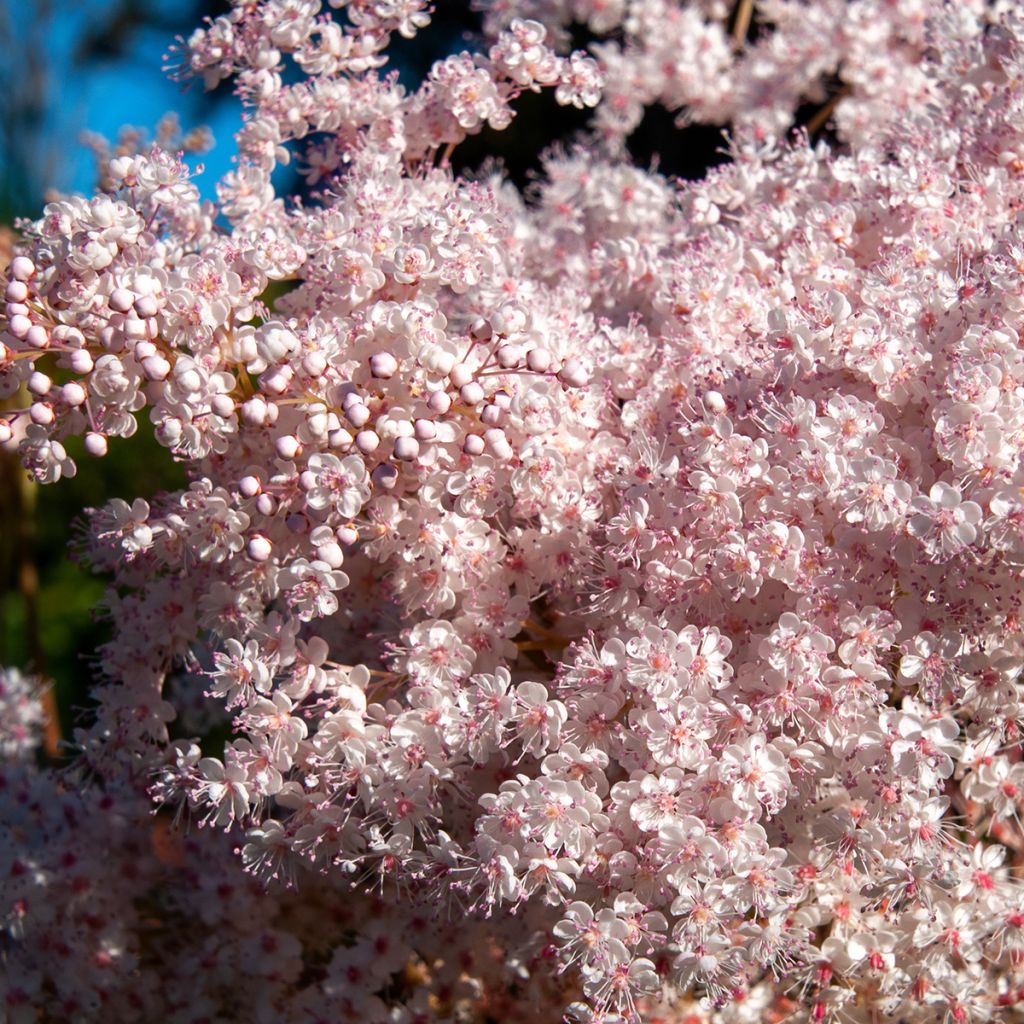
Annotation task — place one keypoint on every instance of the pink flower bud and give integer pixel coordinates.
(502, 399)
(473, 445)
(538, 360)
(287, 446)
(266, 504)
(383, 365)
(367, 441)
(156, 368)
(22, 268)
(16, 309)
(307, 480)
(498, 442)
(509, 356)
(37, 336)
(460, 374)
(19, 325)
(73, 393)
(258, 548)
(144, 350)
(17, 291)
(314, 363)
(406, 448)
(331, 554)
(351, 398)
(39, 383)
(385, 476)
(481, 330)
(573, 374)
(135, 329)
(424, 430)
(249, 486)
(347, 535)
(358, 415)
(439, 402)
(340, 439)
(95, 444)
(81, 361)
(254, 411)
(41, 413)
(121, 300)
(714, 402)
(491, 414)
(146, 306)
(471, 393)
(222, 405)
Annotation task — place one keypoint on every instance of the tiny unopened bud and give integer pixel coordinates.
(19, 325)
(385, 476)
(39, 383)
(347, 535)
(331, 554)
(714, 402)
(358, 414)
(249, 486)
(254, 411)
(509, 356)
(367, 441)
(144, 350)
(258, 548)
(491, 414)
(502, 399)
(383, 365)
(314, 363)
(37, 336)
(81, 361)
(574, 374)
(473, 445)
(471, 393)
(22, 268)
(460, 374)
(73, 393)
(222, 405)
(146, 306)
(287, 446)
(498, 443)
(95, 444)
(406, 448)
(307, 480)
(156, 368)
(340, 439)
(121, 300)
(41, 413)
(538, 360)
(439, 402)
(266, 504)
(424, 430)
(481, 330)
(17, 291)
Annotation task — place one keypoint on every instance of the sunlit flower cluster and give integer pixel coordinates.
(615, 594)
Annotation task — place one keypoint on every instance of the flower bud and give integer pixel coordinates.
(17, 291)
(357, 414)
(22, 268)
(222, 405)
(95, 444)
(121, 300)
(473, 444)
(491, 414)
(347, 535)
(509, 356)
(146, 306)
(19, 325)
(385, 476)
(471, 393)
(367, 441)
(266, 504)
(383, 365)
(287, 446)
(331, 554)
(156, 368)
(258, 548)
(314, 363)
(81, 361)
(37, 336)
(406, 448)
(498, 443)
(39, 383)
(460, 374)
(538, 360)
(73, 393)
(424, 430)
(254, 411)
(41, 413)
(481, 330)
(574, 374)
(439, 402)
(249, 486)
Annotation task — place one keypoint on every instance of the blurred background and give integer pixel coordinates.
(77, 72)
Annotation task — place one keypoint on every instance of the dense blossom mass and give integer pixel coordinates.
(606, 603)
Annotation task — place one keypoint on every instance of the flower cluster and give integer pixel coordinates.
(634, 573)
